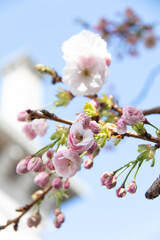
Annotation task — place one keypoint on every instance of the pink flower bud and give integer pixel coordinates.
(35, 164)
(50, 165)
(132, 187)
(49, 154)
(34, 220)
(56, 223)
(42, 179)
(111, 182)
(132, 115)
(61, 217)
(57, 183)
(121, 126)
(105, 176)
(22, 116)
(29, 131)
(94, 127)
(22, 167)
(88, 163)
(66, 185)
(94, 102)
(92, 149)
(40, 126)
(121, 192)
(56, 211)
(108, 60)
(84, 119)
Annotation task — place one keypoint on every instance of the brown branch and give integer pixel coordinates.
(155, 110)
(25, 209)
(46, 115)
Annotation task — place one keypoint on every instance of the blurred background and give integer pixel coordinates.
(33, 32)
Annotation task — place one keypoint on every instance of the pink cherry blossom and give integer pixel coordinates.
(80, 140)
(22, 167)
(66, 162)
(22, 116)
(40, 126)
(121, 126)
(35, 164)
(29, 131)
(57, 183)
(132, 115)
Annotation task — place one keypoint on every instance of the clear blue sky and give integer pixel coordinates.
(40, 27)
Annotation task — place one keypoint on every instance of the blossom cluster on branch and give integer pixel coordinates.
(77, 146)
(130, 30)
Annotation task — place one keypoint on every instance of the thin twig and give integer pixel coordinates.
(25, 209)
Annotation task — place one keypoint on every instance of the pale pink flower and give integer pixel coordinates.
(22, 116)
(86, 69)
(66, 162)
(40, 126)
(29, 131)
(121, 126)
(80, 140)
(132, 115)
(84, 119)
(132, 187)
(42, 179)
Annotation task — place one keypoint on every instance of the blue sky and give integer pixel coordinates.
(39, 28)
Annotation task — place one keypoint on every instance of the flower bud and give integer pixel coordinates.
(22, 167)
(29, 131)
(22, 116)
(34, 220)
(35, 164)
(88, 163)
(66, 185)
(105, 176)
(49, 154)
(84, 119)
(56, 211)
(57, 183)
(121, 126)
(132, 187)
(92, 149)
(42, 179)
(61, 217)
(121, 192)
(37, 194)
(111, 182)
(94, 127)
(56, 223)
(50, 165)
(40, 126)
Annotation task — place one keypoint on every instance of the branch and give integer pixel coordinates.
(25, 209)
(155, 110)
(46, 115)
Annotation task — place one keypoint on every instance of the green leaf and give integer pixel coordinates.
(64, 98)
(90, 109)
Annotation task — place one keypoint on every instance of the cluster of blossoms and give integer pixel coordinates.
(85, 72)
(38, 127)
(130, 116)
(131, 30)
